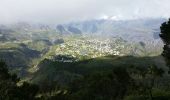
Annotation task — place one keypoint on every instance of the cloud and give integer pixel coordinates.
(61, 11)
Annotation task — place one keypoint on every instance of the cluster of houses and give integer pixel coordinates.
(90, 48)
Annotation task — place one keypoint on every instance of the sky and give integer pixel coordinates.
(63, 11)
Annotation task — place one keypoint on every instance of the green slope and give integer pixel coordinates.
(64, 72)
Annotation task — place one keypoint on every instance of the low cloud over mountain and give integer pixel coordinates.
(62, 11)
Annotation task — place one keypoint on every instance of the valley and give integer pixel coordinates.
(24, 46)
(52, 56)
(84, 49)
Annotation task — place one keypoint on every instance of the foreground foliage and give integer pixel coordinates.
(9, 90)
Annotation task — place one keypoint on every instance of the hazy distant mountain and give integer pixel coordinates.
(130, 30)
(137, 29)
(61, 29)
(74, 30)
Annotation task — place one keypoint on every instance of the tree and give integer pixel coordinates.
(153, 72)
(9, 89)
(112, 85)
(165, 36)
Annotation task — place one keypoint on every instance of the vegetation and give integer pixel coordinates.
(80, 67)
(9, 90)
(165, 35)
(98, 79)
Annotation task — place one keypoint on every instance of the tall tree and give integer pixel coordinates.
(165, 36)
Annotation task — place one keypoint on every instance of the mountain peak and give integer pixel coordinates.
(114, 18)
